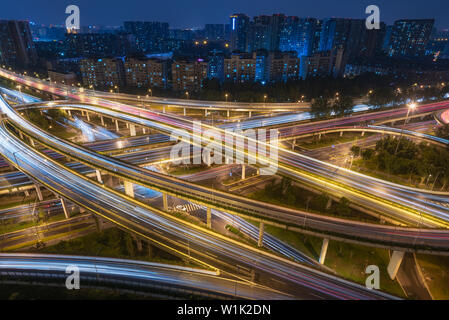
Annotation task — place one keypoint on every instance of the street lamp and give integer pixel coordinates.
(226, 96)
(265, 98)
(411, 107)
(20, 90)
(187, 94)
(151, 92)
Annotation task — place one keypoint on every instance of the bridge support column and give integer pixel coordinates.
(139, 244)
(165, 201)
(163, 109)
(69, 112)
(150, 249)
(132, 130)
(363, 133)
(329, 203)
(27, 194)
(88, 116)
(208, 159)
(209, 218)
(319, 136)
(293, 144)
(129, 189)
(117, 128)
(98, 222)
(249, 114)
(32, 143)
(261, 231)
(127, 125)
(395, 263)
(64, 207)
(184, 110)
(144, 131)
(102, 120)
(243, 172)
(227, 113)
(21, 135)
(324, 250)
(98, 173)
(39, 192)
(341, 133)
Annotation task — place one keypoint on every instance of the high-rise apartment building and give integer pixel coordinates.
(409, 38)
(16, 44)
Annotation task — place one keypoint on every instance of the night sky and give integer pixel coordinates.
(195, 13)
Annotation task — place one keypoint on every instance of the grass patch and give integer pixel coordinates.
(330, 139)
(436, 274)
(349, 261)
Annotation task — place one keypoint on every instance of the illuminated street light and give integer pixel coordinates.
(411, 107)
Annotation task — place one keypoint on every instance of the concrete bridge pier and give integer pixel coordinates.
(129, 189)
(184, 111)
(227, 113)
(88, 116)
(38, 192)
(250, 114)
(163, 109)
(341, 133)
(329, 203)
(132, 130)
(261, 232)
(144, 130)
(363, 133)
(139, 243)
(209, 218)
(395, 262)
(69, 112)
(165, 201)
(150, 249)
(64, 207)
(243, 171)
(117, 128)
(98, 173)
(323, 252)
(102, 120)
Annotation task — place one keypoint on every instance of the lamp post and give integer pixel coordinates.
(411, 107)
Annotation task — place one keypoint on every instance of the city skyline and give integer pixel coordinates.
(201, 13)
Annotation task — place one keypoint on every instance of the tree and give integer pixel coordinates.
(343, 105)
(443, 131)
(343, 207)
(320, 107)
(355, 151)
